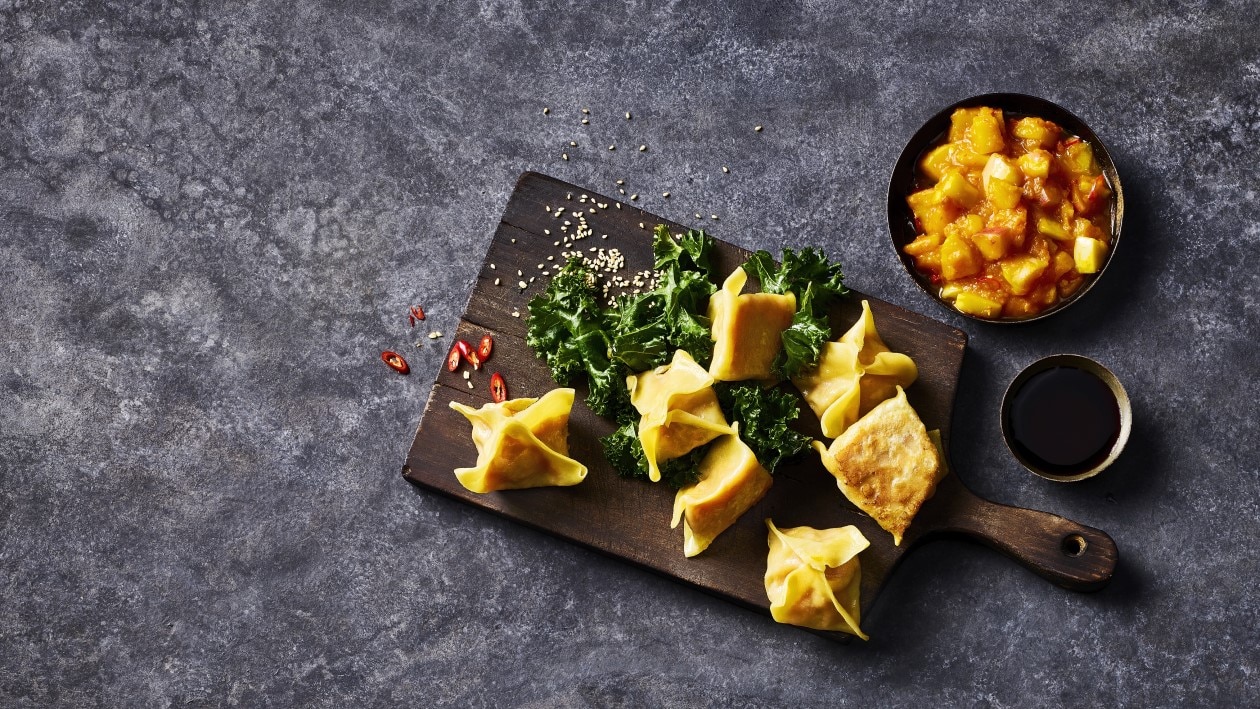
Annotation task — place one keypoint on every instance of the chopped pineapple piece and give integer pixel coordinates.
(959, 121)
(1052, 229)
(1078, 158)
(1003, 195)
(923, 244)
(937, 161)
(994, 242)
(1063, 264)
(959, 259)
(1089, 254)
(985, 131)
(1013, 220)
(956, 187)
(1035, 163)
(977, 305)
(1022, 272)
(1036, 130)
(1000, 167)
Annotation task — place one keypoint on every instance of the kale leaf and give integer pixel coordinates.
(625, 453)
(764, 417)
(816, 283)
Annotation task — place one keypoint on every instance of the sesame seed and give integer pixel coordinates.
(585, 121)
(514, 240)
(603, 236)
(725, 169)
(621, 182)
(634, 196)
(516, 313)
(592, 210)
(550, 258)
(564, 156)
(757, 129)
(713, 217)
(555, 243)
(698, 216)
(642, 148)
(572, 143)
(621, 191)
(435, 334)
(496, 281)
(518, 272)
(612, 147)
(586, 110)
(619, 205)
(546, 111)
(522, 284)
(627, 115)
(531, 279)
(491, 267)
(467, 374)
(568, 195)
(641, 225)
(540, 267)
(665, 195)
(547, 208)
(470, 384)
(547, 232)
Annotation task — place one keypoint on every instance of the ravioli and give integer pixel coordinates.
(679, 410)
(747, 329)
(853, 375)
(814, 577)
(886, 464)
(731, 482)
(521, 443)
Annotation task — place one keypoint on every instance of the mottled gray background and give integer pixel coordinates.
(213, 216)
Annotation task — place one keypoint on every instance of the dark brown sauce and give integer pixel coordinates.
(1063, 420)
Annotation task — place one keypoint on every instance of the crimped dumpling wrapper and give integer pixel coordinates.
(679, 410)
(521, 443)
(814, 577)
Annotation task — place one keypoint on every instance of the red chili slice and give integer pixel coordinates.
(411, 320)
(485, 347)
(498, 388)
(417, 312)
(474, 359)
(395, 362)
(452, 358)
(468, 353)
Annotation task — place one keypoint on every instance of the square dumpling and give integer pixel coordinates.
(886, 464)
(731, 482)
(679, 409)
(747, 329)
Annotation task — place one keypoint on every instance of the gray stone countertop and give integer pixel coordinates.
(213, 217)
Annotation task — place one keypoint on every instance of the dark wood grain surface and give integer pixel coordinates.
(630, 519)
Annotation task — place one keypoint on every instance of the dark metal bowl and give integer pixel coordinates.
(902, 183)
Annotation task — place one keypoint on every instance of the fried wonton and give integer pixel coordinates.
(679, 408)
(886, 464)
(814, 577)
(521, 443)
(731, 482)
(853, 375)
(747, 329)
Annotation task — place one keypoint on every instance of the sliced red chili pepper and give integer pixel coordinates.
(395, 362)
(452, 358)
(485, 347)
(468, 353)
(417, 312)
(474, 359)
(411, 320)
(498, 388)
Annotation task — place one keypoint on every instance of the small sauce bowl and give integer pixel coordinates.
(1066, 418)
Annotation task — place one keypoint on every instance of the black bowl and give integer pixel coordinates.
(902, 183)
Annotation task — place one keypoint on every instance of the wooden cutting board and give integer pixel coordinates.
(629, 519)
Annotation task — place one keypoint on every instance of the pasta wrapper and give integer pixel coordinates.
(731, 482)
(854, 374)
(814, 577)
(521, 443)
(679, 410)
(747, 329)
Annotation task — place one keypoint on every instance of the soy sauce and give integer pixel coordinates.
(1064, 420)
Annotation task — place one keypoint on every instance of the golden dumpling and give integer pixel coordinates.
(853, 375)
(521, 443)
(679, 410)
(747, 329)
(731, 482)
(814, 577)
(886, 464)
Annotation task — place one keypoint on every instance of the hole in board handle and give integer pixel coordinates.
(1073, 545)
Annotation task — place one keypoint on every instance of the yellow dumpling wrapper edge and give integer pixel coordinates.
(814, 577)
(521, 443)
(887, 464)
(746, 329)
(679, 410)
(731, 482)
(853, 375)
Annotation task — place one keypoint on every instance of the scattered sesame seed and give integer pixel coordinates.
(435, 334)
(547, 232)
(522, 284)
(518, 272)
(492, 267)
(547, 208)
(586, 111)
(467, 375)
(612, 147)
(641, 225)
(757, 129)
(555, 243)
(621, 191)
(634, 197)
(642, 148)
(564, 156)
(621, 182)
(546, 111)
(585, 121)
(551, 258)
(568, 195)
(540, 267)
(619, 205)
(572, 143)
(713, 217)
(514, 240)
(725, 169)
(698, 216)
(627, 115)
(516, 313)
(496, 281)
(591, 210)
(470, 384)
(665, 195)
(531, 279)
(603, 236)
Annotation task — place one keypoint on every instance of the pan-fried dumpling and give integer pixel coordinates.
(814, 577)
(853, 375)
(679, 410)
(731, 482)
(521, 443)
(747, 329)
(886, 464)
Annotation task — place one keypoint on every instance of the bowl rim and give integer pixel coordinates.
(903, 176)
(1086, 364)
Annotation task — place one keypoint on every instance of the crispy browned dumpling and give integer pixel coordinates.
(886, 464)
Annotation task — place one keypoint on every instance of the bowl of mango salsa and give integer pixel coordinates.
(1005, 207)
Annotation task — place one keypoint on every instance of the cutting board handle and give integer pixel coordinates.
(1059, 550)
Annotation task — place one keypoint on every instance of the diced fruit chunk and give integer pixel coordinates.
(937, 161)
(1035, 163)
(959, 121)
(1089, 254)
(1003, 195)
(959, 259)
(923, 244)
(993, 243)
(956, 187)
(1078, 158)
(1063, 264)
(985, 131)
(1052, 229)
(977, 305)
(1022, 272)
(1000, 167)
(1037, 131)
